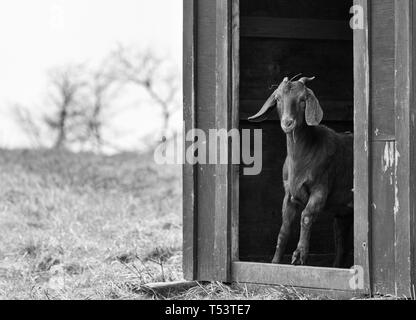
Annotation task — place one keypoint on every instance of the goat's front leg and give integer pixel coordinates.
(315, 204)
(288, 215)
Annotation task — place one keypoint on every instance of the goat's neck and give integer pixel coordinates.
(296, 141)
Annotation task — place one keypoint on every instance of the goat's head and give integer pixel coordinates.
(296, 104)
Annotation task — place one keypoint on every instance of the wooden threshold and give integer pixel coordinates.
(296, 276)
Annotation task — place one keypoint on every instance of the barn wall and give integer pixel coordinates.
(392, 131)
(382, 57)
(405, 135)
(205, 119)
(392, 106)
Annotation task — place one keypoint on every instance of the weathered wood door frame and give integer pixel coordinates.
(311, 277)
(222, 244)
(362, 145)
(190, 213)
(405, 153)
(207, 244)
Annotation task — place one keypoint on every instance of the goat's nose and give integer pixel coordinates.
(288, 122)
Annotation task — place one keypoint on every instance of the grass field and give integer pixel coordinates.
(85, 226)
(81, 226)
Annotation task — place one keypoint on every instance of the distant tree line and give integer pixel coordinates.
(79, 97)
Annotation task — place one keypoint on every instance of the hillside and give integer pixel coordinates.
(81, 226)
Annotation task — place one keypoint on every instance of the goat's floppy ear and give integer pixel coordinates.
(264, 111)
(313, 110)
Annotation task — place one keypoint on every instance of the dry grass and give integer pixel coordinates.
(86, 227)
(81, 226)
(220, 291)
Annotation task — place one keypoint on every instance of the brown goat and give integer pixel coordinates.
(318, 171)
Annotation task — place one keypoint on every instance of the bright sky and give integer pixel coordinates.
(37, 35)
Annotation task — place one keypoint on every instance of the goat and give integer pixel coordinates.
(317, 173)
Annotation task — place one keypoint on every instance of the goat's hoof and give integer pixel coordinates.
(299, 257)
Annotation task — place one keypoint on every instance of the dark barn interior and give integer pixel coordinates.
(283, 38)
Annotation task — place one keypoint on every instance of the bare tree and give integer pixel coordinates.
(78, 99)
(29, 125)
(102, 90)
(155, 76)
(66, 92)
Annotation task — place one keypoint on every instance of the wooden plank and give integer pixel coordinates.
(206, 119)
(223, 107)
(382, 69)
(299, 276)
(267, 27)
(235, 123)
(404, 207)
(362, 146)
(189, 173)
(314, 259)
(300, 9)
(265, 62)
(382, 225)
(383, 137)
(412, 155)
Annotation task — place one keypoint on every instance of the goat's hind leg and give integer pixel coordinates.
(289, 211)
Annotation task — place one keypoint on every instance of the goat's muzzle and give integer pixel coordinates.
(288, 125)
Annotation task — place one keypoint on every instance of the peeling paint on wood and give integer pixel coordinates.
(388, 158)
(396, 187)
